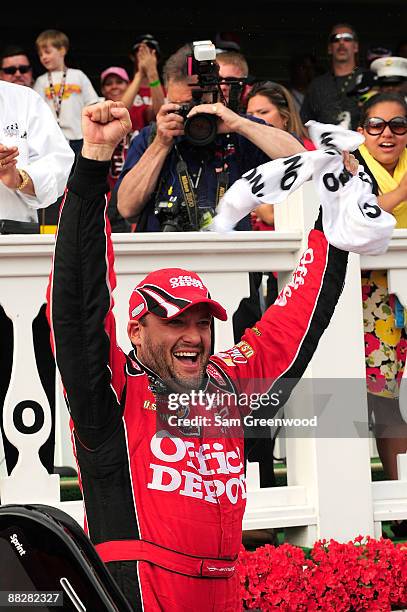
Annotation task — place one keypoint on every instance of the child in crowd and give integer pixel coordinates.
(66, 90)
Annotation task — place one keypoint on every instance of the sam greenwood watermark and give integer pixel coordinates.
(227, 411)
(323, 408)
(248, 420)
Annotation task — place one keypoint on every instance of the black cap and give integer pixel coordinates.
(391, 80)
(364, 82)
(149, 40)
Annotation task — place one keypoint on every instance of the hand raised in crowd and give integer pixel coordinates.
(147, 62)
(9, 175)
(103, 126)
(169, 124)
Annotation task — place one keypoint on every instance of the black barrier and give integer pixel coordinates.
(48, 563)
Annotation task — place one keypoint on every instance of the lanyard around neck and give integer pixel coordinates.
(189, 189)
(57, 99)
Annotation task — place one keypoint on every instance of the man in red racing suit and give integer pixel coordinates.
(164, 499)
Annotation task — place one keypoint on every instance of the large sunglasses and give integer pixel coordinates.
(23, 69)
(376, 125)
(345, 36)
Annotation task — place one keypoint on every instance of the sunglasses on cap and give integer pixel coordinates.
(376, 125)
(345, 36)
(23, 69)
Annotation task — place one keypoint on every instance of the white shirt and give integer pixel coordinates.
(78, 92)
(27, 123)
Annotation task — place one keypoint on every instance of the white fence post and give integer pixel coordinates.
(334, 465)
(390, 496)
(26, 411)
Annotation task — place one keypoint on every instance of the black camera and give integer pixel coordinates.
(201, 129)
(173, 216)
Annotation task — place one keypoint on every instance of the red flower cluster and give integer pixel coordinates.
(364, 574)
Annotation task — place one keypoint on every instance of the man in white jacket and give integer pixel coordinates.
(35, 158)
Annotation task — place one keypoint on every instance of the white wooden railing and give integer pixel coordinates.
(329, 491)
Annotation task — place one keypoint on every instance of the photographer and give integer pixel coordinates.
(152, 177)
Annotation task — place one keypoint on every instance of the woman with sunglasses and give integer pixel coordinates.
(384, 125)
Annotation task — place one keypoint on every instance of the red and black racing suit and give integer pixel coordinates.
(165, 512)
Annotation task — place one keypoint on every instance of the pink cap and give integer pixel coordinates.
(168, 292)
(120, 72)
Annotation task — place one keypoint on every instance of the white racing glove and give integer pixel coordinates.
(352, 219)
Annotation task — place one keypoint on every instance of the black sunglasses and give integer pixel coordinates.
(345, 36)
(13, 69)
(376, 125)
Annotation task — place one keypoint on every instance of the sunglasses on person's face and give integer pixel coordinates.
(376, 125)
(344, 36)
(23, 69)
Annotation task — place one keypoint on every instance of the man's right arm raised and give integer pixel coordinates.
(140, 181)
(80, 292)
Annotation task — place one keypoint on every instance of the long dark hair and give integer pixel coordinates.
(377, 99)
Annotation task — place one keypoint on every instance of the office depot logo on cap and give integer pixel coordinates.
(168, 292)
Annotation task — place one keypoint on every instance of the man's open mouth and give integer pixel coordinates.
(186, 357)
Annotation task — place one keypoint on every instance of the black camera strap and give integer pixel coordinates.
(223, 184)
(188, 193)
(189, 190)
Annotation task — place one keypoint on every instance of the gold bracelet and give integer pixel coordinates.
(25, 177)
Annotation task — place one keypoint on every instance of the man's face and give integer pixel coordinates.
(225, 71)
(16, 64)
(179, 92)
(176, 349)
(345, 48)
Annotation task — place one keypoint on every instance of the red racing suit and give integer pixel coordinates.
(164, 503)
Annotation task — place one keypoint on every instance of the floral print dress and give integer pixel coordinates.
(385, 344)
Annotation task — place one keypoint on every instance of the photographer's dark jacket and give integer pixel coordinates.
(237, 152)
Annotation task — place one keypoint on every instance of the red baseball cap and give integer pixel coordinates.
(168, 292)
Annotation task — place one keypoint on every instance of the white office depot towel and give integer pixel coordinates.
(352, 218)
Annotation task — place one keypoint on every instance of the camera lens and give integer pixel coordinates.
(201, 129)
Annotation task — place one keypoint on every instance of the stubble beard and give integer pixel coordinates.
(154, 358)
